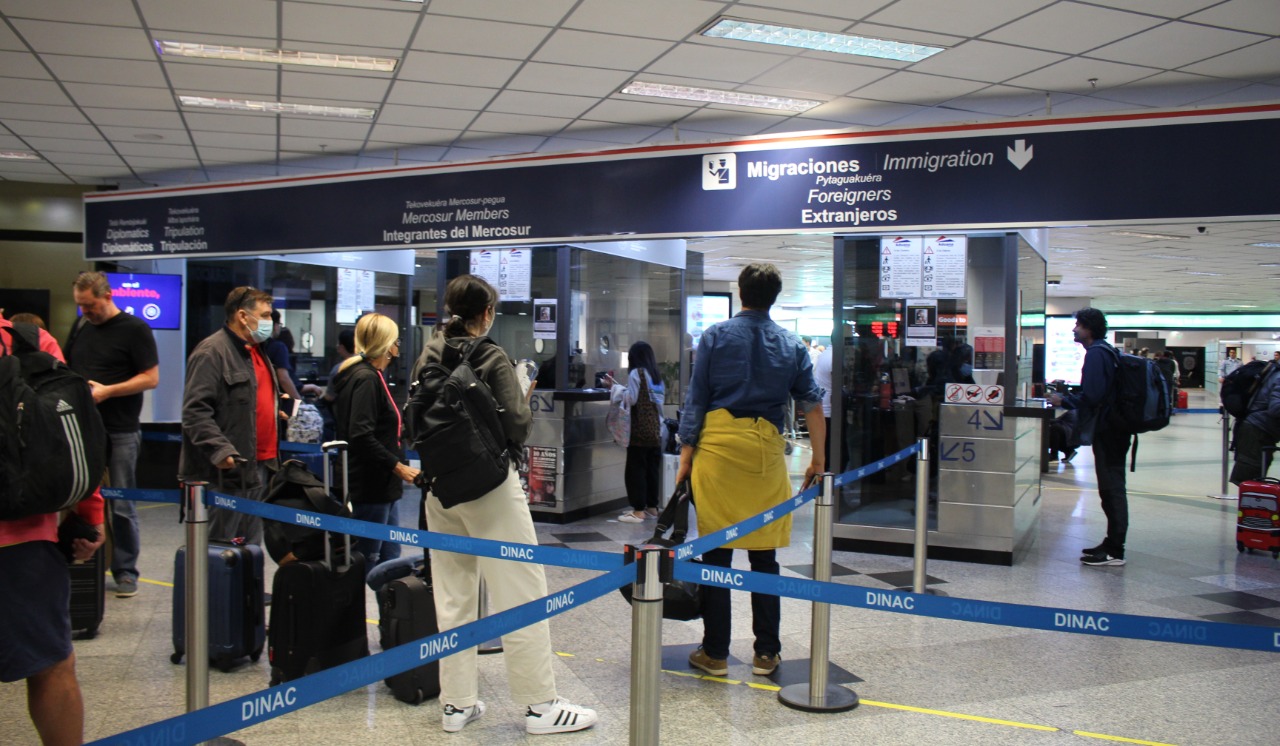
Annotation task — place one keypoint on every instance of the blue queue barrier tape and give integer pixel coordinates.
(288, 446)
(711, 541)
(557, 556)
(1199, 411)
(1131, 626)
(251, 709)
(142, 495)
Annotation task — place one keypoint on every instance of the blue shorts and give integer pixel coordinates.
(36, 632)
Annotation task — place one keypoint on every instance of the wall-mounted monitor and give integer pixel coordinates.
(705, 310)
(156, 299)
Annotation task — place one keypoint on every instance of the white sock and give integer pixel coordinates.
(543, 708)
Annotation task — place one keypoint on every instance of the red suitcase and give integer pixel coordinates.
(1182, 399)
(1258, 522)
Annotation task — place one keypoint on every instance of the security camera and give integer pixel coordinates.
(1201, 229)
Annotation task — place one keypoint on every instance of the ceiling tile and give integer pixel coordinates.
(965, 17)
(104, 12)
(1260, 62)
(53, 129)
(1244, 15)
(716, 63)
(1073, 75)
(1169, 90)
(635, 111)
(445, 96)
(456, 69)
(47, 176)
(71, 69)
(610, 133)
(1165, 8)
(599, 50)
(719, 121)
(1003, 101)
(540, 104)
(310, 22)
(48, 37)
(847, 10)
(146, 162)
(10, 40)
(121, 96)
(543, 12)
(311, 146)
(227, 79)
(918, 88)
(568, 79)
(233, 153)
(658, 19)
(860, 111)
(425, 116)
(500, 143)
(1174, 45)
(58, 144)
(516, 124)
(154, 150)
(41, 112)
(1250, 94)
(336, 87)
(986, 61)
(22, 65)
(568, 145)
(25, 91)
(321, 128)
(211, 122)
(79, 171)
(122, 136)
(415, 154)
(804, 74)
(135, 118)
(486, 38)
(84, 159)
(207, 141)
(235, 17)
(1072, 28)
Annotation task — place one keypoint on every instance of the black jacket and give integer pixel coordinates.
(367, 419)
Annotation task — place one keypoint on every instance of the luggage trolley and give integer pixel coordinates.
(1258, 516)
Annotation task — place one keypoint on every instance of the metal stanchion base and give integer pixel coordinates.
(224, 741)
(490, 647)
(1225, 497)
(927, 591)
(836, 699)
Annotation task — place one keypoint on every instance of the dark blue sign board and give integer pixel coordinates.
(1130, 168)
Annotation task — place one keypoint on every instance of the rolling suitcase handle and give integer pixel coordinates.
(341, 447)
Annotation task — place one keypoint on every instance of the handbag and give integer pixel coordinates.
(618, 421)
(681, 599)
(646, 422)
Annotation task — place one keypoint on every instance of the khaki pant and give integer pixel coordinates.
(501, 515)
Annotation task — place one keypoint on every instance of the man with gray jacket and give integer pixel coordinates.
(230, 411)
(1259, 429)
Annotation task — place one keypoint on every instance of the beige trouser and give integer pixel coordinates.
(501, 515)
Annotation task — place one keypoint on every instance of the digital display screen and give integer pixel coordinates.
(1063, 357)
(156, 299)
(705, 311)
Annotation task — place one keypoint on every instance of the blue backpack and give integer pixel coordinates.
(1141, 398)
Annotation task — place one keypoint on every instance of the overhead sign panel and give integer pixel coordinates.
(1158, 166)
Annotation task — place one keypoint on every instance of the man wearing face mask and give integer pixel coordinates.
(229, 413)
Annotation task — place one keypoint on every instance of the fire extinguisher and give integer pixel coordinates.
(886, 390)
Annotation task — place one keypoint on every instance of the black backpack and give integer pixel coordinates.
(295, 487)
(1240, 385)
(1141, 403)
(454, 424)
(53, 447)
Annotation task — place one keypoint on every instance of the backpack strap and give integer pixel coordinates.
(73, 335)
(26, 338)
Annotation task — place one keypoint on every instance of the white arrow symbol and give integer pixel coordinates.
(1020, 154)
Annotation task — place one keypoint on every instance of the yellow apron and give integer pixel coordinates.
(739, 470)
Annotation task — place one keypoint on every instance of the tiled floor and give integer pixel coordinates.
(921, 680)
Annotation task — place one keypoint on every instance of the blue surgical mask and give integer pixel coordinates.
(263, 331)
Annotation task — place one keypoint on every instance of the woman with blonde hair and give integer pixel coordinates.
(369, 420)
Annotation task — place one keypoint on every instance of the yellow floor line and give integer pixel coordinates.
(959, 716)
(1105, 737)
(155, 582)
(156, 505)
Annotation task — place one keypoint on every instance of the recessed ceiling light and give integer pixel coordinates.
(1146, 311)
(1139, 234)
(18, 155)
(149, 136)
(1266, 245)
(1166, 256)
(276, 56)
(1240, 305)
(715, 96)
(276, 107)
(1205, 274)
(1270, 264)
(821, 41)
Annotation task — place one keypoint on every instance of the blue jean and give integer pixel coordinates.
(122, 462)
(391, 550)
(373, 513)
(766, 609)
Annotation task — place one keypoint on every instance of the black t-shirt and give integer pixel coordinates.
(116, 351)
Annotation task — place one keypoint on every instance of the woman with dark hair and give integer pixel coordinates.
(369, 420)
(501, 515)
(644, 451)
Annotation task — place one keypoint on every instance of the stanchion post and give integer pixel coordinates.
(1225, 493)
(197, 596)
(918, 574)
(646, 645)
(487, 647)
(817, 695)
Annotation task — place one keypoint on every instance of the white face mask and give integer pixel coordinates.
(262, 332)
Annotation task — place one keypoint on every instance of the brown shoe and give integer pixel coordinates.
(765, 665)
(714, 666)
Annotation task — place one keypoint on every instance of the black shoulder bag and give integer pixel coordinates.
(681, 600)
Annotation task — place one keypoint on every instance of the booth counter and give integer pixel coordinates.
(573, 468)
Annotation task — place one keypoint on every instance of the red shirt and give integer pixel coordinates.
(265, 412)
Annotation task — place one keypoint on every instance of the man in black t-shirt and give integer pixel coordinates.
(116, 353)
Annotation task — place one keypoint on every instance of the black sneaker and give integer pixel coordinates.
(1067, 458)
(1093, 550)
(1102, 559)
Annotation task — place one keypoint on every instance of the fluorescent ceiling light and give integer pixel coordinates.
(276, 56)
(277, 107)
(1205, 274)
(1173, 257)
(18, 155)
(714, 96)
(821, 41)
(1139, 234)
(1267, 245)
(1240, 305)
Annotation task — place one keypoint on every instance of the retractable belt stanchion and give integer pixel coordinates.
(646, 643)
(919, 576)
(817, 695)
(197, 596)
(489, 646)
(1225, 494)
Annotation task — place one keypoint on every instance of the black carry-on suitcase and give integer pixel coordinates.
(88, 591)
(318, 609)
(407, 612)
(236, 613)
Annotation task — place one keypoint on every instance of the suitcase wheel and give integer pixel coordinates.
(223, 663)
(255, 655)
(276, 678)
(176, 658)
(417, 698)
(1275, 554)
(1239, 546)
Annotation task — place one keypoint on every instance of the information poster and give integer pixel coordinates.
(988, 348)
(539, 474)
(900, 267)
(922, 323)
(356, 291)
(544, 318)
(943, 273)
(508, 270)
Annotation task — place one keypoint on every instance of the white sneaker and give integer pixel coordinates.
(630, 517)
(560, 717)
(455, 719)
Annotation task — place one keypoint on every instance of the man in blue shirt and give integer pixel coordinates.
(748, 370)
(1110, 445)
